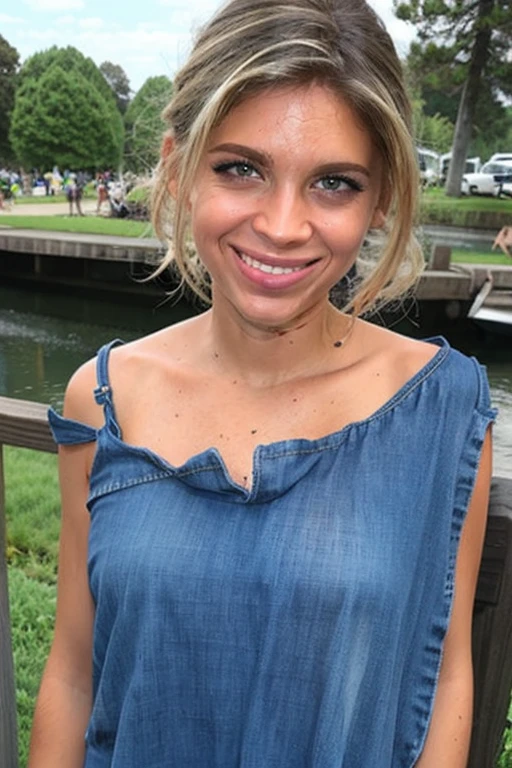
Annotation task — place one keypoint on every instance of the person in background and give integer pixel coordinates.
(273, 512)
(73, 188)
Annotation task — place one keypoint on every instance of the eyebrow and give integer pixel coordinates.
(264, 159)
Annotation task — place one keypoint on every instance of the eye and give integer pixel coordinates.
(335, 183)
(239, 168)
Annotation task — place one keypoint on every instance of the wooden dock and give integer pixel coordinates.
(107, 262)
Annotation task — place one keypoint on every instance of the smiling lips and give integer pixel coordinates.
(267, 270)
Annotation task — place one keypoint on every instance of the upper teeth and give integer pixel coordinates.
(267, 267)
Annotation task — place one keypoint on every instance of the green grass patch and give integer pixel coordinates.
(40, 200)
(505, 759)
(32, 504)
(435, 197)
(471, 211)
(473, 257)
(32, 606)
(89, 225)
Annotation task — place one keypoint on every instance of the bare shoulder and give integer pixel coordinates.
(79, 403)
(130, 365)
(402, 355)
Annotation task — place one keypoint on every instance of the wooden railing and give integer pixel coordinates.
(24, 424)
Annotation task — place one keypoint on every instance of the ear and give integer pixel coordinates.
(381, 210)
(166, 151)
(378, 219)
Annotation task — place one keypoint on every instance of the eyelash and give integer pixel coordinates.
(224, 168)
(227, 167)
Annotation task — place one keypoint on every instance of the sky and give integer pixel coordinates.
(145, 37)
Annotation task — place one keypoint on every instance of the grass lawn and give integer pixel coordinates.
(90, 225)
(33, 519)
(486, 257)
(435, 197)
(89, 193)
(435, 207)
(40, 200)
(470, 211)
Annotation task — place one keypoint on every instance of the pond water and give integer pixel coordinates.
(45, 337)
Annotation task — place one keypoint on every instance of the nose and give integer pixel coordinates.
(282, 218)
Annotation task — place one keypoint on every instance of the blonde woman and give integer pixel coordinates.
(272, 513)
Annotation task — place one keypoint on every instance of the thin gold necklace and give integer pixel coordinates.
(341, 342)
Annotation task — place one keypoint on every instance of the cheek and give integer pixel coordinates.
(346, 235)
(213, 216)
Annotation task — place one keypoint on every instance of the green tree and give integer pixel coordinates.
(144, 125)
(9, 62)
(436, 78)
(432, 131)
(478, 36)
(65, 114)
(118, 81)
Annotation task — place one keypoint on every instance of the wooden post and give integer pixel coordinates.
(492, 631)
(8, 730)
(23, 424)
(440, 258)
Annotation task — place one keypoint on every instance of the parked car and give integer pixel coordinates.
(501, 157)
(489, 180)
(428, 162)
(473, 165)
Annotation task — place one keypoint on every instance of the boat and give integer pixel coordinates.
(492, 309)
(496, 320)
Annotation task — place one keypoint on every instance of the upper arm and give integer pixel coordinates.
(71, 654)
(448, 738)
(458, 639)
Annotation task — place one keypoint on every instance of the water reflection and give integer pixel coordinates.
(44, 338)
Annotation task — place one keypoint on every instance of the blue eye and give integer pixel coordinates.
(238, 168)
(332, 183)
(338, 184)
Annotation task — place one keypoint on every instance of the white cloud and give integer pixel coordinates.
(4, 19)
(94, 22)
(65, 21)
(55, 5)
(401, 32)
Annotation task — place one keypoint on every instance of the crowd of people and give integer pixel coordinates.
(110, 188)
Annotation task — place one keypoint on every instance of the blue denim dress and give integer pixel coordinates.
(298, 624)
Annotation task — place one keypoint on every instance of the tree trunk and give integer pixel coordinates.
(469, 98)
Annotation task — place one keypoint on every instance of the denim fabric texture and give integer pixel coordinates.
(297, 624)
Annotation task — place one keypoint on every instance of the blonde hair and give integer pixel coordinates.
(249, 46)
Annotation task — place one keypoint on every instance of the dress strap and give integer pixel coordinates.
(103, 392)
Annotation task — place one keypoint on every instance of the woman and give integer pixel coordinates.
(273, 512)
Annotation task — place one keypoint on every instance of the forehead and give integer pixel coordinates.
(311, 117)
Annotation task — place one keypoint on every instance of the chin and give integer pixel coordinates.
(271, 320)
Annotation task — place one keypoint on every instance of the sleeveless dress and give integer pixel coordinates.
(298, 624)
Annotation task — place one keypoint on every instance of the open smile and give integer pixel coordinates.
(269, 268)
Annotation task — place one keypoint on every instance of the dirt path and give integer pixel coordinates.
(46, 209)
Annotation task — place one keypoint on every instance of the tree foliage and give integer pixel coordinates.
(462, 56)
(437, 79)
(9, 62)
(118, 81)
(432, 131)
(65, 113)
(144, 125)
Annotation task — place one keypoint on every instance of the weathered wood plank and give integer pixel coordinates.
(24, 424)
(8, 730)
(492, 631)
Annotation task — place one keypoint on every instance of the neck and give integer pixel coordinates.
(266, 357)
